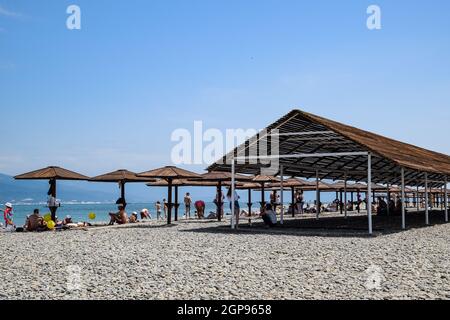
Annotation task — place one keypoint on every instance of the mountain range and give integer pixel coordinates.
(34, 191)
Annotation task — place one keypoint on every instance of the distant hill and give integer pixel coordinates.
(81, 191)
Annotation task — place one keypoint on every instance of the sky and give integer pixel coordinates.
(109, 96)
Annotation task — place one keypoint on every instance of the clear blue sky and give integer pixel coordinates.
(109, 96)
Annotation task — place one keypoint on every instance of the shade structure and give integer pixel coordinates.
(338, 151)
(170, 173)
(52, 174)
(122, 177)
(310, 146)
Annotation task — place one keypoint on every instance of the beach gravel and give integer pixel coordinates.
(205, 260)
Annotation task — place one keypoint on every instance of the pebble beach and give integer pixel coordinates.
(207, 260)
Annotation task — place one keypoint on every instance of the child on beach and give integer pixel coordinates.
(7, 215)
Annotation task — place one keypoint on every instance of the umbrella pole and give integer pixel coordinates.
(122, 193)
(249, 204)
(219, 201)
(169, 204)
(263, 202)
(293, 201)
(176, 203)
(53, 194)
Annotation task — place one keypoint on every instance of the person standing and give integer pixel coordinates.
(236, 204)
(358, 203)
(299, 202)
(7, 215)
(158, 210)
(219, 201)
(52, 202)
(187, 205)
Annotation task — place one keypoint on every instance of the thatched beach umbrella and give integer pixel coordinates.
(122, 177)
(52, 174)
(219, 178)
(169, 173)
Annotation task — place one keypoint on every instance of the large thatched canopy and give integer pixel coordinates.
(338, 151)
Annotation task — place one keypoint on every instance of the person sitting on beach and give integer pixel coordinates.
(200, 208)
(145, 214)
(349, 205)
(133, 218)
(212, 216)
(269, 217)
(67, 220)
(119, 217)
(35, 222)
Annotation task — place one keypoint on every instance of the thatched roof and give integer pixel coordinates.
(169, 172)
(398, 189)
(120, 176)
(249, 185)
(340, 186)
(223, 176)
(265, 179)
(300, 132)
(51, 173)
(182, 183)
(303, 185)
(294, 183)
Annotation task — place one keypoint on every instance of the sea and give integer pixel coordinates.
(80, 212)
